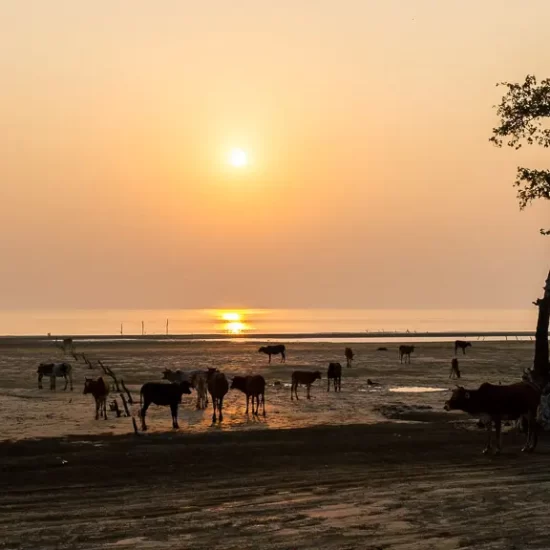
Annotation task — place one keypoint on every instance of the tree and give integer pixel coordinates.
(522, 111)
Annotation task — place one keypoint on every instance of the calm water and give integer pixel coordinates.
(194, 321)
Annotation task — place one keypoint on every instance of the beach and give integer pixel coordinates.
(371, 467)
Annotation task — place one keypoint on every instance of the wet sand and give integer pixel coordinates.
(368, 468)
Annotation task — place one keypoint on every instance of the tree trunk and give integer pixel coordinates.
(541, 367)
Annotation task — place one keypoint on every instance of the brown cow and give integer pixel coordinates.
(455, 371)
(461, 344)
(252, 386)
(100, 390)
(405, 351)
(277, 349)
(334, 372)
(303, 377)
(217, 387)
(498, 403)
(349, 356)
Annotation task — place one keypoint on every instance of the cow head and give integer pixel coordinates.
(185, 387)
(263, 349)
(166, 373)
(460, 398)
(87, 385)
(238, 383)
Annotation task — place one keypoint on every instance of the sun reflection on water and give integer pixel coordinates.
(233, 322)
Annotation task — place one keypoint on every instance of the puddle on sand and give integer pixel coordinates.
(416, 389)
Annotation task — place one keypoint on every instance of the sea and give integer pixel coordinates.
(242, 322)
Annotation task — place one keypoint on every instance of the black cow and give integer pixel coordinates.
(334, 372)
(405, 351)
(461, 344)
(498, 403)
(274, 350)
(164, 395)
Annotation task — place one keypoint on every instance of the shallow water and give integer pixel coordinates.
(415, 389)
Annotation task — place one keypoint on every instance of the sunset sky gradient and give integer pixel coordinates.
(370, 179)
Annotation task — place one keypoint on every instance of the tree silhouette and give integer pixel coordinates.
(523, 111)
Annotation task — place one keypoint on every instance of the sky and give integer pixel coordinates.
(370, 180)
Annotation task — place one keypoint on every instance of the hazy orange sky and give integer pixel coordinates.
(371, 180)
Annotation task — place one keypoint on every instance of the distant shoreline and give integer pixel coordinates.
(135, 338)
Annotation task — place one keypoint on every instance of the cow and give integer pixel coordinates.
(163, 395)
(461, 344)
(252, 386)
(349, 355)
(100, 390)
(197, 379)
(498, 403)
(274, 350)
(334, 372)
(405, 351)
(455, 371)
(55, 370)
(303, 377)
(217, 387)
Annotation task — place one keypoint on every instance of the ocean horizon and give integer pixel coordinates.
(153, 322)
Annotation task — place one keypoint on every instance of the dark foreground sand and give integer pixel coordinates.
(382, 484)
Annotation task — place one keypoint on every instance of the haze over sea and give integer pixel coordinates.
(260, 321)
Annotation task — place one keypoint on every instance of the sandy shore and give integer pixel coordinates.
(343, 475)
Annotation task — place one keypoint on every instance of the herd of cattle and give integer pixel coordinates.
(492, 403)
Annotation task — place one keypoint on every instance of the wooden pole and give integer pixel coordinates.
(166, 327)
(125, 405)
(123, 385)
(142, 328)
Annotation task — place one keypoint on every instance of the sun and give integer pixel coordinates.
(231, 316)
(238, 158)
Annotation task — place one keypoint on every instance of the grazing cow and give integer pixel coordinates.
(274, 350)
(252, 386)
(405, 351)
(498, 403)
(100, 390)
(349, 356)
(197, 380)
(334, 372)
(217, 387)
(304, 377)
(455, 371)
(163, 395)
(382, 348)
(55, 370)
(461, 344)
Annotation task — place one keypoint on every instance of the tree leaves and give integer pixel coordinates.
(523, 110)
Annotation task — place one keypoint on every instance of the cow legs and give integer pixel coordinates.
(283, 357)
(489, 428)
(328, 384)
(104, 401)
(40, 381)
(66, 382)
(174, 411)
(52, 383)
(294, 388)
(269, 358)
(220, 408)
(143, 412)
(214, 400)
(532, 433)
(308, 388)
(498, 425)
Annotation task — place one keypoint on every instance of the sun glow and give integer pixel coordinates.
(238, 158)
(233, 322)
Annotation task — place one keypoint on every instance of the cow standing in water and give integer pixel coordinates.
(349, 356)
(55, 370)
(274, 350)
(461, 344)
(455, 371)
